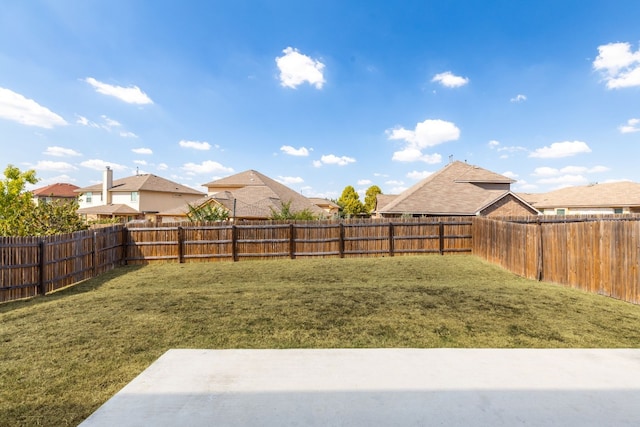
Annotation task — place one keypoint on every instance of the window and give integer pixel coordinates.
(89, 196)
(134, 196)
(559, 211)
(617, 210)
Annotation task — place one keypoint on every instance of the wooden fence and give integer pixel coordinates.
(278, 239)
(596, 254)
(36, 266)
(32, 266)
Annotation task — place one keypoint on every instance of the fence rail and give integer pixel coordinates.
(599, 255)
(595, 254)
(36, 266)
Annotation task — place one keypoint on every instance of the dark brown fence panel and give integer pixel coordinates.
(19, 267)
(146, 244)
(319, 239)
(206, 243)
(262, 241)
(31, 266)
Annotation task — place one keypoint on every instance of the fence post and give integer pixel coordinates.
(180, 243)
(94, 255)
(540, 252)
(42, 283)
(125, 244)
(391, 243)
(441, 235)
(341, 241)
(292, 241)
(234, 242)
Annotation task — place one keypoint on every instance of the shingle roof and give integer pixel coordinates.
(257, 194)
(113, 209)
(143, 182)
(59, 189)
(453, 190)
(614, 194)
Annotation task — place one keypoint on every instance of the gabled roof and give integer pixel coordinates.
(59, 189)
(256, 194)
(456, 189)
(113, 209)
(319, 201)
(143, 182)
(614, 194)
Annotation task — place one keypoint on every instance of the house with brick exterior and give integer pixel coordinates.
(458, 189)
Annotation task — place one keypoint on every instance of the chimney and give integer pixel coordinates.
(107, 183)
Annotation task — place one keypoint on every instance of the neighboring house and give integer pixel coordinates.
(611, 198)
(252, 195)
(458, 189)
(141, 196)
(332, 209)
(59, 191)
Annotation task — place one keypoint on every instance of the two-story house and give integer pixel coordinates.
(141, 196)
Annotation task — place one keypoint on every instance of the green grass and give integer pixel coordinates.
(63, 355)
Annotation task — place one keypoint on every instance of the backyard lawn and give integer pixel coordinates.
(63, 355)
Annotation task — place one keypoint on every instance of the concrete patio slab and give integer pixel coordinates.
(381, 387)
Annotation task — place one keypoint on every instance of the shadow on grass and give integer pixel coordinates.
(88, 285)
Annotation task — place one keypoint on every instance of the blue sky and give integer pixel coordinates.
(321, 94)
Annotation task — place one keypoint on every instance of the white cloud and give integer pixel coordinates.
(415, 155)
(633, 125)
(162, 167)
(518, 98)
(561, 149)
(512, 149)
(207, 166)
(142, 150)
(510, 174)
(493, 144)
(55, 179)
(61, 152)
(46, 165)
(523, 185)
(302, 151)
(418, 175)
(394, 182)
(107, 124)
(288, 180)
(17, 108)
(140, 162)
(364, 182)
(130, 95)
(448, 79)
(196, 145)
(332, 159)
(426, 134)
(619, 65)
(317, 163)
(565, 180)
(545, 171)
(98, 164)
(296, 68)
(128, 135)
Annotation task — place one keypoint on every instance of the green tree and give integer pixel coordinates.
(16, 204)
(56, 217)
(21, 216)
(370, 198)
(349, 202)
(207, 213)
(285, 213)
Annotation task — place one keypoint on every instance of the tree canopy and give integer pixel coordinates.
(370, 198)
(207, 213)
(21, 216)
(350, 203)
